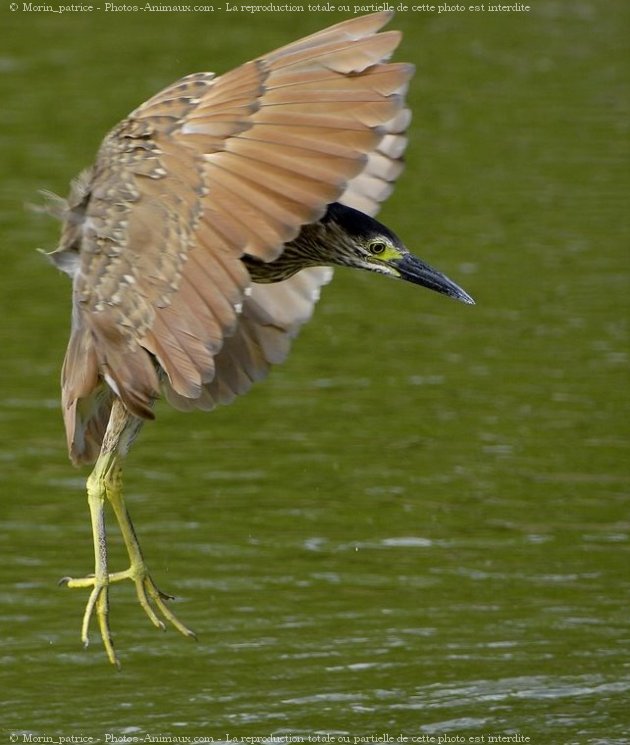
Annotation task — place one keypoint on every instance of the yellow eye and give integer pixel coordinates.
(377, 248)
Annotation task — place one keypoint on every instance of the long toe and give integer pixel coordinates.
(150, 589)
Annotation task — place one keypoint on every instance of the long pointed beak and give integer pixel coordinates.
(414, 270)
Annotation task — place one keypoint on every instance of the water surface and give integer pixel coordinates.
(418, 525)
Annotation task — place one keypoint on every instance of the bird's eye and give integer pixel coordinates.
(377, 248)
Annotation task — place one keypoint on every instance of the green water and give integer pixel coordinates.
(419, 526)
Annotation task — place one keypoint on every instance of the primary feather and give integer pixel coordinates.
(207, 172)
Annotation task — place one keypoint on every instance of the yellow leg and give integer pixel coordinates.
(146, 589)
(99, 582)
(105, 482)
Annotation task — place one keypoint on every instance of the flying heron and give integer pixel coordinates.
(199, 240)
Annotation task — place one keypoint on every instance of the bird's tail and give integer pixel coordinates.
(94, 371)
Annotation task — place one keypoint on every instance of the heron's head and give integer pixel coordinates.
(362, 242)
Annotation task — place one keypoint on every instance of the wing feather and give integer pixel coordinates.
(206, 170)
(271, 318)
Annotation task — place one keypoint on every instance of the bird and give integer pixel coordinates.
(198, 243)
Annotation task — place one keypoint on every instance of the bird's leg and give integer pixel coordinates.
(146, 588)
(98, 600)
(105, 482)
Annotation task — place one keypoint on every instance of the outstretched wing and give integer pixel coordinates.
(274, 313)
(207, 170)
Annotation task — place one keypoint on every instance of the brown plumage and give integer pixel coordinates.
(199, 240)
(207, 170)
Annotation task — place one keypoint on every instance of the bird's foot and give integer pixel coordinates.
(98, 603)
(149, 595)
(151, 598)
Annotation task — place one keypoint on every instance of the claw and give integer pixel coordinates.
(98, 603)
